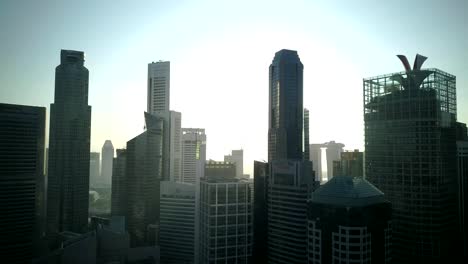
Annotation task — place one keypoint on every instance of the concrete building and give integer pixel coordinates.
(333, 150)
(119, 184)
(350, 164)
(177, 223)
(410, 155)
(175, 160)
(22, 187)
(106, 163)
(143, 174)
(225, 215)
(349, 221)
(68, 168)
(236, 157)
(94, 168)
(193, 154)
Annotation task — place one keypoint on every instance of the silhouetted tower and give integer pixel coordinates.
(410, 142)
(107, 159)
(285, 131)
(69, 139)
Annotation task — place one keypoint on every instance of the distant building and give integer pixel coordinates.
(350, 164)
(68, 166)
(225, 215)
(143, 174)
(349, 221)
(410, 155)
(193, 154)
(333, 151)
(94, 167)
(177, 224)
(316, 158)
(159, 86)
(175, 151)
(119, 201)
(107, 159)
(22, 187)
(237, 157)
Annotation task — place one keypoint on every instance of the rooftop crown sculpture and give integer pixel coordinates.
(415, 76)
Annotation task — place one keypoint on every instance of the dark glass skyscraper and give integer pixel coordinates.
(410, 155)
(285, 131)
(69, 139)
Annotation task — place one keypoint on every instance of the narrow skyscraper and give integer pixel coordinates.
(285, 131)
(106, 163)
(69, 139)
(193, 154)
(159, 86)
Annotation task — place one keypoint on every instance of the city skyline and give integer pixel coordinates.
(333, 37)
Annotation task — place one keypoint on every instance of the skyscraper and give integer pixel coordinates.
(349, 221)
(193, 154)
(316, 158)
(410, 143)
(119, 184)
(22, 200)
(285, 133)
(175, 160)
(94, 167)
(69, 139)
(462, 169)
(333, 151)
(351, 164)
(225, 215)
(237, 157)
(159, 86)
(106, 163)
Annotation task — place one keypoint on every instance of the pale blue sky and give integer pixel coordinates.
(220, 52)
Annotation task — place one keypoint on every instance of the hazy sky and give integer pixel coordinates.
(220, 52)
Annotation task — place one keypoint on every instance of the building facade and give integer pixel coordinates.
(94, 167)
(349, 221)
(225, 215)
(177, 223)
(22, 187)
(106, 163)
(237, 157)
(69, 144)
(175, 160)
(193, 154)
(143, 174)
(462, 166)
(119, 184)
(410, 143)
(350, 164)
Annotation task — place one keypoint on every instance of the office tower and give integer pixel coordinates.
(22, 133)
(158, 104)
(94, 167)
(107, 158)
(349, 221)
(225, 215)
(193, 154)
(350, 164)
(410, 142)
(143, 174)
(177, 225)
(175, 161)
(289, 184)
(69, 139)
(236, 157)
(119, 184)
(260, 213)
(285, 132)
(306, 147)
(316, 158)
(333, 153)
(462, 169)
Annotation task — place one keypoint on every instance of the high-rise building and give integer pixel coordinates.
(410, 155)
(333, 153)
(462, 168)
(106, 163)
(285, 132)
(349, 221)
(94, 167)
(175, 160)
(306, 147)
(22, 197)
(225, 215)
(159, 86)
(69, 140)
(193, 154)
(237, 157)
(143, 174)
(350, 164)
(316, 158)
(260, 213)
(177, 224)
(289, 184)
(119, 184)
